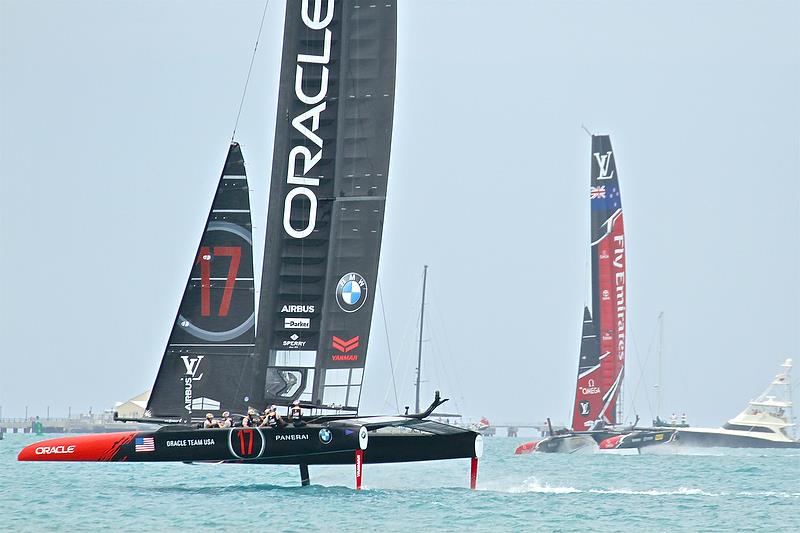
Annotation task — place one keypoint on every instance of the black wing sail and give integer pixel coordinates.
(208, 362)
(327, 197)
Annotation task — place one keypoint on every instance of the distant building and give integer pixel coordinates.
(133, 408)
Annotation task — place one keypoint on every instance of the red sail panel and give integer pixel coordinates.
(611, 287)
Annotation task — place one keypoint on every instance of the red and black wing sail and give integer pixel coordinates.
(327, 197)
(588, 396)
(209, 360)
(608, 318)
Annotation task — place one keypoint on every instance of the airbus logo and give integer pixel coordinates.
(297, 309)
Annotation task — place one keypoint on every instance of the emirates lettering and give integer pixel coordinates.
(297, 309)
(307, 122)
(619, 282)
(54, 450)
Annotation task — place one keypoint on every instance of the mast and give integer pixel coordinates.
(330, 167)
(421, 323)
(601, 366)
(659, 388)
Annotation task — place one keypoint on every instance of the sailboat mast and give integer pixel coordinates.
(421, 323)
(659, 385)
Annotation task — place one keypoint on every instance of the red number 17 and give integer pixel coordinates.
(204, 259)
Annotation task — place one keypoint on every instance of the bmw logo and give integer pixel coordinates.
(325, 436)
(351, 292)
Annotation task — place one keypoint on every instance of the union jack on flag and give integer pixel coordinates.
(144, 444)
(597, 192)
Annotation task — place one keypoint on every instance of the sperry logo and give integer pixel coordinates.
(345, 346)
(603, 161)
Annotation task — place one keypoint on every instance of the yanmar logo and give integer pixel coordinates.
(345, 346)
(300, 185)
(54, 450)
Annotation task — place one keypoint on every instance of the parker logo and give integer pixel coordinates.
(297, 323)
(603, 161)
(345, 346)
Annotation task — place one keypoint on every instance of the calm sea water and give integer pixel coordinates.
(711, 491)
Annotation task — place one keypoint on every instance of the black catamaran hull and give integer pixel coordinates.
(309, 445)
(676, 438)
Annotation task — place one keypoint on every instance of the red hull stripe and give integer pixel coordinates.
(528, 447)
(100, 447)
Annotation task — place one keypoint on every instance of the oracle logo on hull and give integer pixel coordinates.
(302, 184)
(54, 450)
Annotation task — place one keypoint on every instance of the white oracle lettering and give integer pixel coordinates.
(312, 213)
(316, 23)
(51, 450)
(316, 15)
(312, 114)
(323, 89)
(308, 163)
(603, 160)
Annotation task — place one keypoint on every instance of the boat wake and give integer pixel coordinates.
(533, 485)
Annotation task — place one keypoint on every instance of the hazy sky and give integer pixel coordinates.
(115, 119)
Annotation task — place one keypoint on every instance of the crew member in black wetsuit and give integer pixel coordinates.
(296, 414)
(249, 421)
(271, 418)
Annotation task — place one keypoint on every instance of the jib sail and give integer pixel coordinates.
(208, 362)
(327, 196)
(600, 375)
